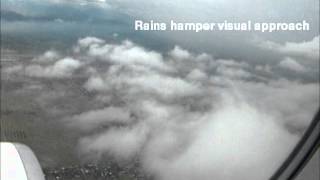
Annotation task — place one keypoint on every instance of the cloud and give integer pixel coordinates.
(232, 72)
(90, 120)
(179, 53)
(96, 83)
(120, 143)
(128, 53)
(197, 75)
(305, 49)
(13, 69)
(48, 57)
(60, 69)
(275, 96)
(85, 42)
(195, 117)
(180, 114)
(164, 86)
(226, 135)
(125, 54)
(292, 65)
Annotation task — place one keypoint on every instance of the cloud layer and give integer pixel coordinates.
(182, 115)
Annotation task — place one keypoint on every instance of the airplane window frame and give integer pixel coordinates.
(302, 153)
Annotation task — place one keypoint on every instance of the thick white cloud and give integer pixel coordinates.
(127, 53)
(229, 143)
(86, 42)
(282, 98)
(179, 53)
